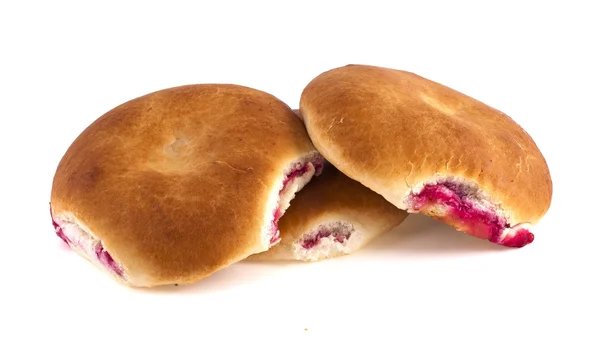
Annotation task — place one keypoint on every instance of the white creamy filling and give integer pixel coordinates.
(80, 240)
(84, 243)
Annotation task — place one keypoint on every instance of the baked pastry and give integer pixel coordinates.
(427, 148)
(172, 186)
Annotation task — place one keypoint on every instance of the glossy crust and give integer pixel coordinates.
(393, 130)
(329, 198)
(176, 183)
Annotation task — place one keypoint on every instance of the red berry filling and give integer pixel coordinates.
(293, 174)
(338, 236)
(476, 220)
(107, 260)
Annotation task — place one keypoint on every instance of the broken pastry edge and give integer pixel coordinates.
(294, 177)
(293, 246)
(82, 241)
(465, 201)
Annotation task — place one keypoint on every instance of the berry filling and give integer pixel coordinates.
(107, 260)
(92, 248)
(290, 177)
(339, 236)
(275, 238)
(456, 204)
(328, 240)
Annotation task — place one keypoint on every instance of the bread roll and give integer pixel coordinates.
(429, 149)
(177, 184)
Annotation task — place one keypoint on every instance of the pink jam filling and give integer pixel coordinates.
(277, 214)
(299, 172)
(107, 260)
(101, 254)
(338, 236)
(482, 223)
(274, 228)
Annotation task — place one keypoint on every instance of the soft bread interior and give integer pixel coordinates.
(462, 204)
(79, 237)
(326, 237)
(329, 240)
(292, 180)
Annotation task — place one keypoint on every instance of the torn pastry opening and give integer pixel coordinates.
(328, 240)
(463, 205)
(295, 178)
(82, 241)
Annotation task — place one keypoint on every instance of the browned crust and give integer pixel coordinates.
(333, 195)
(392, 129)
(175, 183)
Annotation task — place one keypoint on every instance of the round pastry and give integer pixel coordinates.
(177, 184)
(429, 149)
(330, 217)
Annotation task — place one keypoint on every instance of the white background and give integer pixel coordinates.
(64, 64)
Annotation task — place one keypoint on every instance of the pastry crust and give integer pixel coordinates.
(182, 182)
(395, 131)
